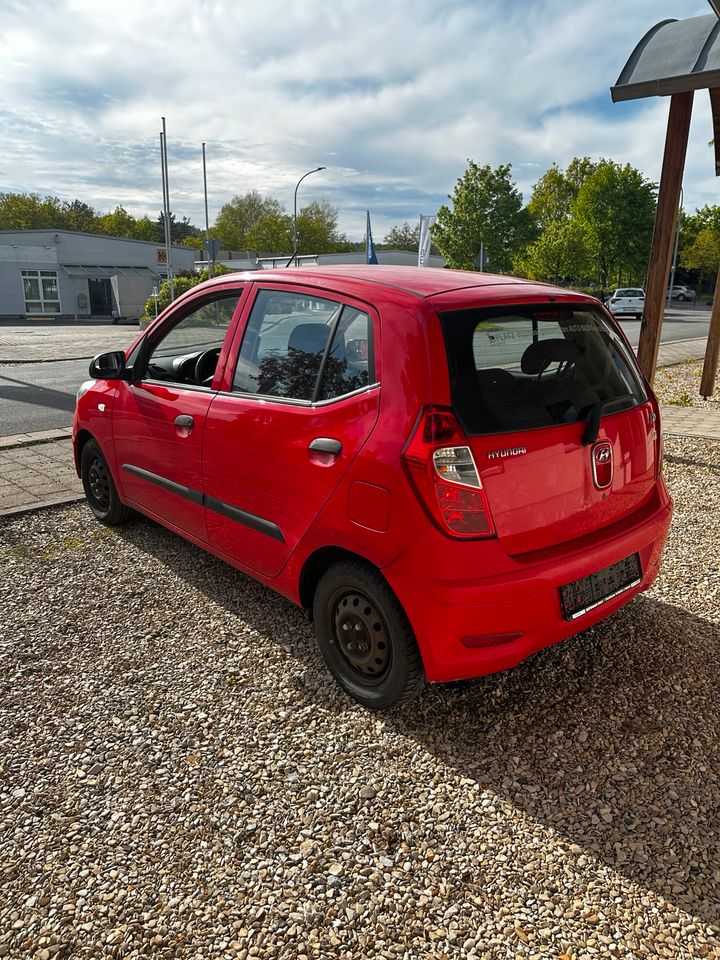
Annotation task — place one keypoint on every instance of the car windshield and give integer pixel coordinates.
(520, 368)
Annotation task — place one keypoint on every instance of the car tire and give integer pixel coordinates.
(638, 316)
(681, 296)
(365, 637)
(100, 490)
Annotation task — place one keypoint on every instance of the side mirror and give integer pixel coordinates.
(109, 366)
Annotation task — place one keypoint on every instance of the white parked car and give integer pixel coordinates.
(626, 301)
(681, 293)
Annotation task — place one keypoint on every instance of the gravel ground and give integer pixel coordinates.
(179, 778)
(679, 384)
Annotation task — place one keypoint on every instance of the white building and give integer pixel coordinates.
(69, 275)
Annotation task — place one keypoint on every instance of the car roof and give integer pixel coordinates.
(416, 281)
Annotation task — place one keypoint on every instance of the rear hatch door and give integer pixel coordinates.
(560, 426)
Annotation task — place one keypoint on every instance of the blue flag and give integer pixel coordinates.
(370, 255)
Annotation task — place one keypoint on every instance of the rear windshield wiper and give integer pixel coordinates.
(592, 427)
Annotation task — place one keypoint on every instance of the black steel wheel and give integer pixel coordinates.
(100, 491)
(365, 637)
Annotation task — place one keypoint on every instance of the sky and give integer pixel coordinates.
(392, 96)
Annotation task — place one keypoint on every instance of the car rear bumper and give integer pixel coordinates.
(516, 609)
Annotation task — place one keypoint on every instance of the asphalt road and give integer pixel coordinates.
(679, 324)
(41, 396)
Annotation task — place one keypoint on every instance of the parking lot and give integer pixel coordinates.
(180, 778)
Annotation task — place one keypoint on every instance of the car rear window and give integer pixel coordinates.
(521, 368)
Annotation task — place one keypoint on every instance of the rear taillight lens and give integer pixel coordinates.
(655, 422)
(443, 472)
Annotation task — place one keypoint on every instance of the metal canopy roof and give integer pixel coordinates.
(107, 270)
(675, 56)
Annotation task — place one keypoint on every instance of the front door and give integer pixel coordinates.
(159, 419)
(301, 403)
(100, 298)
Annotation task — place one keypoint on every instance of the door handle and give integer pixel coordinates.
(326, 445)
(184, 422)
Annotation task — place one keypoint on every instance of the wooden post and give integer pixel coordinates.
(712, 351)
(664, 233)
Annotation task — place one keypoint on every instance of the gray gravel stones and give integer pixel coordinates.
(679, 384)
(180, 778)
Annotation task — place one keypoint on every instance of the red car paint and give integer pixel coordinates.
(263, 501)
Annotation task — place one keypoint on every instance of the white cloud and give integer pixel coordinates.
(393, 98)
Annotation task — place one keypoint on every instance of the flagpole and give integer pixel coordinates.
(370, 255)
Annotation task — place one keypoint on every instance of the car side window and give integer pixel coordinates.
(294, 339)
(188, 352)
(350, 361)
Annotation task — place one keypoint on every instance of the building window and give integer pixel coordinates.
(41, 291)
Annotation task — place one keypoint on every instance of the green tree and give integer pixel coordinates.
(487, 209)
(616, 207)
(555, 192)
(119, 223)
(145, 229)
(578, 170)
(552, 198)
(196, 242)
(179, 229)
(559, 254)
(402, 237)
(317, 229)
(706, 218)
(239, 215)
(272, 233)
(79, 216)
(30, 211)
(703, 254)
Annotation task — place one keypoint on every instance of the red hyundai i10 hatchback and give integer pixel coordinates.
(449, 470)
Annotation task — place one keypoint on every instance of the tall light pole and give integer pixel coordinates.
(211, 254)
(295, 237)
(166, 217)
(674, 259)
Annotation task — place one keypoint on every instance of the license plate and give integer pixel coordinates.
(583, 595)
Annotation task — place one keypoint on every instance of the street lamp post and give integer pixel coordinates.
(295, 237)
(674, 259)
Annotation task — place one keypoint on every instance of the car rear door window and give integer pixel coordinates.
(521, 368)
(302, 347)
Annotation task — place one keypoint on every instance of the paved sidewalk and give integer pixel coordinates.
(690, 422)
(37, 470)
(43, 344)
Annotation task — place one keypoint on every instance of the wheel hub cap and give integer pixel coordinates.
(98, 482)
(361, 635)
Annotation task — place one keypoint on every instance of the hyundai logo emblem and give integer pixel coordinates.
(602, 464)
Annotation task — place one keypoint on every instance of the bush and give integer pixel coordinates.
(183, 283)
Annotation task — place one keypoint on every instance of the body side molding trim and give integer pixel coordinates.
(182, 491)
(260, 524)
(251, 520)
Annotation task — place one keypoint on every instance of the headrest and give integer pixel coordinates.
(541, 353)
(309, 337)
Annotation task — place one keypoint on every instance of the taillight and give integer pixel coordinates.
(443, 472)
(654, 417)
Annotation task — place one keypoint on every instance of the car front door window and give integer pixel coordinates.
(188, 352)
